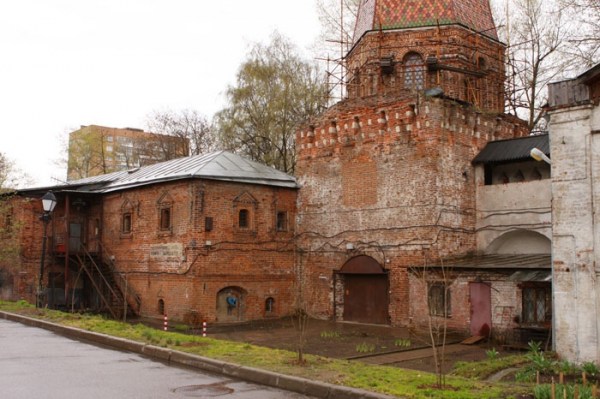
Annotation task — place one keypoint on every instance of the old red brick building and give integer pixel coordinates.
(416, 198)
(175, 238)
(387, 182)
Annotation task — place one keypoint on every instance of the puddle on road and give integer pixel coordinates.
(204, 391)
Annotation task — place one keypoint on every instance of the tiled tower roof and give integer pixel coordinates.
(398, 14)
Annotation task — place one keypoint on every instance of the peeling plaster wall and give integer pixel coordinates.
(576, 200)
(509, 207)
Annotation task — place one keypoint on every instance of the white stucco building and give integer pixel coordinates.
(575, 147)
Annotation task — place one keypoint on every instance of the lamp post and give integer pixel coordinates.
(539, 156)
(48, 203)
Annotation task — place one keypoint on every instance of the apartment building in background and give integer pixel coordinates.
(95, 150)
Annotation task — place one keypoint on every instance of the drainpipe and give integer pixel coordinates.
(67, 215)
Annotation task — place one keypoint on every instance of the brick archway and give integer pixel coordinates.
(365, 291)
(231, 303)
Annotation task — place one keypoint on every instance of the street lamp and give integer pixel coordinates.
(48, 203)
(539, 155)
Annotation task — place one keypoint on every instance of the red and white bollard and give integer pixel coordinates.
(204, 329)
(166, 323)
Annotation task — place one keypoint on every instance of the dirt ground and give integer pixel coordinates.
(368, 343)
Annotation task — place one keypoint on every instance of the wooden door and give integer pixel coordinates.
(366, 298)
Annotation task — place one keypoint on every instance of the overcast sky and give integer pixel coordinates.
(66, 63)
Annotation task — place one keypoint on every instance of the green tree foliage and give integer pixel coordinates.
(5, 167)
(10, 178)
(87, 156)
(275, 91)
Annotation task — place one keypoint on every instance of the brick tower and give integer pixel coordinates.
(386, 175)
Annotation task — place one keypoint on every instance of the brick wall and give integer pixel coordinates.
(178, 267)
(394, 179)
(466, 66)
(505, 301)
(173, 265)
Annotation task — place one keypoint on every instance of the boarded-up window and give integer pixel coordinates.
(439, 300)
(355, 193)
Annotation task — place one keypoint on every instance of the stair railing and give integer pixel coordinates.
(95, 268)
(131, 297)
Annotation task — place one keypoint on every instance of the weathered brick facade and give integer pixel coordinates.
(177, 266)
(387, 191)
(387, 172)
(182, 246)
(401, 191)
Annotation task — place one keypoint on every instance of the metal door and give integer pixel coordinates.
(481, 308)
(74, 237)
(366, 298)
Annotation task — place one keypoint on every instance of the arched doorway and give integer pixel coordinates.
(520, 242)
(230, 304)
(366, 285)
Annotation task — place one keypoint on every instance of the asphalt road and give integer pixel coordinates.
(35, 363)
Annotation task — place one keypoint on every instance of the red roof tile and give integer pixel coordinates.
(397, 14)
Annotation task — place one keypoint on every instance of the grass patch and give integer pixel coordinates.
(485, 368)
(389, 380)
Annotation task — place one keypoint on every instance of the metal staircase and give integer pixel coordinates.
(115, 295)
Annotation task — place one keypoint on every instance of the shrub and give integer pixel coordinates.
(590, 368)
(567, 367)
(492, 354)
(544, 391)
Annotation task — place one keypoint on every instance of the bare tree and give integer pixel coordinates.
(337, 18)
(434, 285)
(585, 20)
(187, 124)
(275, 91)
(537, 36)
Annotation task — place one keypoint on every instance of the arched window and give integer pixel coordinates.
(414, 71)
(161, 306)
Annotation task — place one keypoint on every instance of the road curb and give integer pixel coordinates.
(264, 377)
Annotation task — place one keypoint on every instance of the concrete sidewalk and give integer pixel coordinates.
(264, 377)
